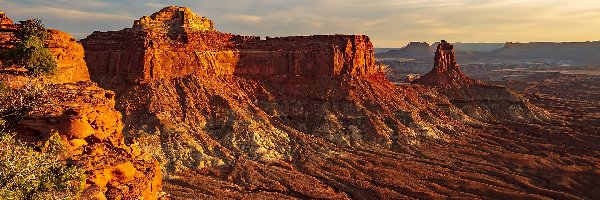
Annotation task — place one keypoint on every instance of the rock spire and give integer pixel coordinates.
(446, 72)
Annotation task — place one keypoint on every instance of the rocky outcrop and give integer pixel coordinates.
(228, 117)
(67, 51)
(479, 100)
(574, 53)
(6, 24)
(6, 31)
(84, 116)
(446, 72)
(175, 42)
(204, 98)
(69, 57)
(174, 20)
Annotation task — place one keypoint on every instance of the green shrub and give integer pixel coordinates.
(29, 174)
(30, 52)
(32, 27)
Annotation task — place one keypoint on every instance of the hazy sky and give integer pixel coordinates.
(390, 23)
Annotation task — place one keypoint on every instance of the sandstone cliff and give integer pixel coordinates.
(208, 100)
(246, 118)
(446, 72)
(175, 42)
(6, 23)
(411, 50)
(69, 57)
(6, 29)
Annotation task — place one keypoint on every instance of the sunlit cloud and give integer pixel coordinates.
(156, 5)
(389, 22)
(248, 19)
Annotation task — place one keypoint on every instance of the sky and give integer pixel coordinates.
(389, 23)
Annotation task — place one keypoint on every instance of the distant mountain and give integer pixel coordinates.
(423, 49)
(475, 47)
(383, 50)
(411, 50)
(574, 53)
(577, 52)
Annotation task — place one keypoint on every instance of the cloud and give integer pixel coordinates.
(248, 19)
(374, 22)
(388, 22)
(156, 5)
(71, 14)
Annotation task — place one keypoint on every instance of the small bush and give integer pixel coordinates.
(32, 28)
(55, 145)
(15, 104)
(31, 52)
(29, 174)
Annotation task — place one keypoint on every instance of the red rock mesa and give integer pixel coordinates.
(175, 42)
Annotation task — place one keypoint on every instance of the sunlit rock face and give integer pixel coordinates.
(204, 98)
(6, 24)
(65, 49)
(175, 42)
(85, 118)
(174, 17)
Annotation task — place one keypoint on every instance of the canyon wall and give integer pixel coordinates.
(202, 98)
(582, 53)
(411, 50)
(7, 27)
(175, 42)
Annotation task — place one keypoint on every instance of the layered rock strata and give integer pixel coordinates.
(411, 50)
(84, 116)
(175, 42)
(345, 136)
(203, 98)
(69, 56)
(6, 31)
(6, 24)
